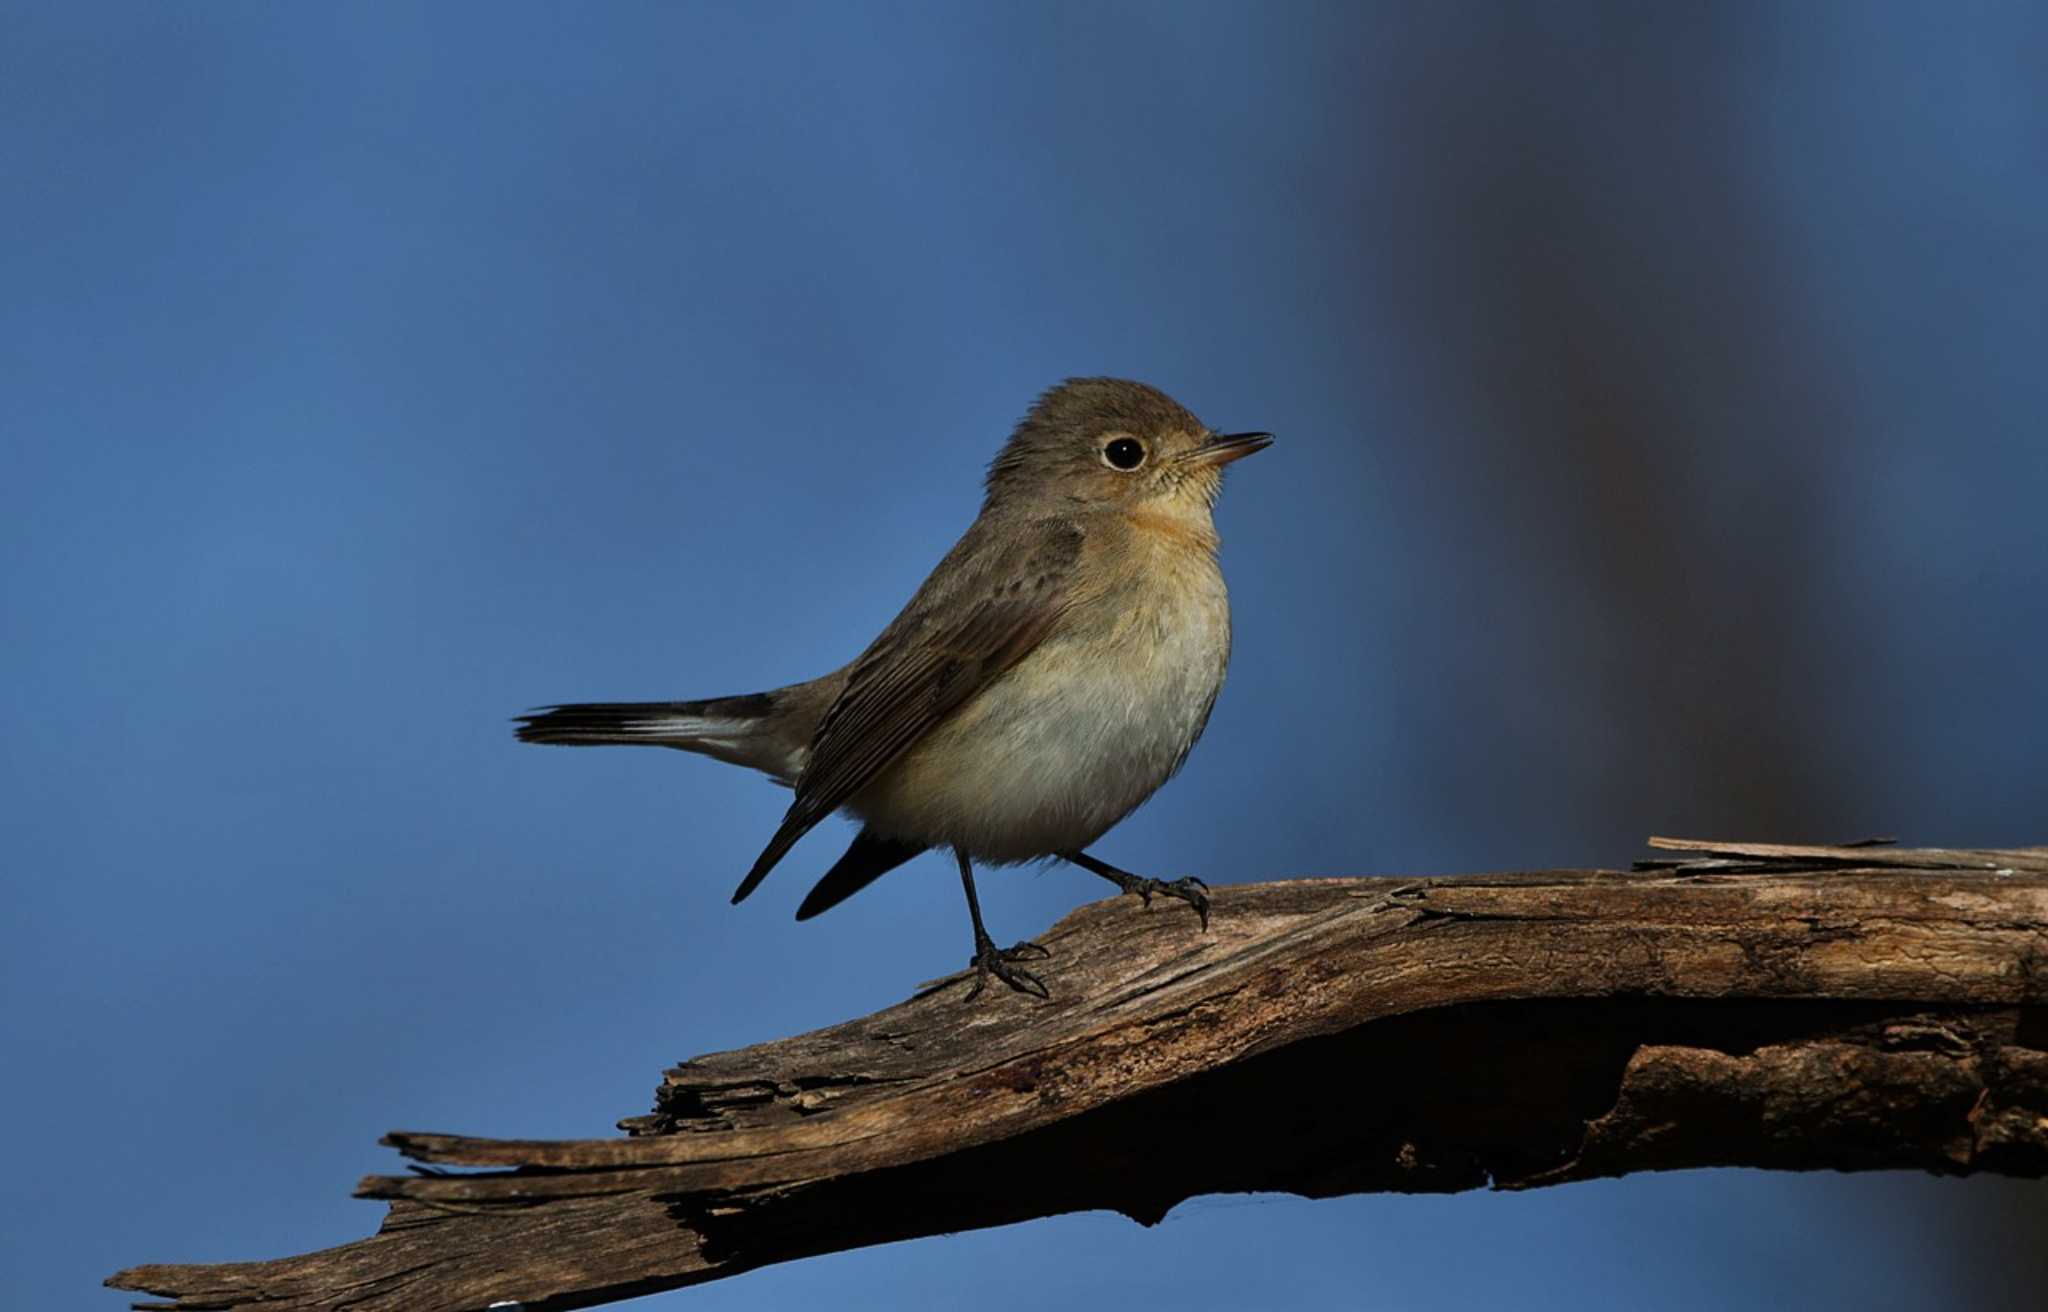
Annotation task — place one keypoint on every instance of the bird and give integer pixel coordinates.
(1052, 672)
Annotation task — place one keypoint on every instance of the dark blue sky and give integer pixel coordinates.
(1661, 400)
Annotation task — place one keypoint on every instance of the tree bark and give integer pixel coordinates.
(1794, 1008)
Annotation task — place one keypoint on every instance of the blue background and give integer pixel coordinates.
(1661, 397)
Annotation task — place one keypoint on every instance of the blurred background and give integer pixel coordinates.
(1660, 392)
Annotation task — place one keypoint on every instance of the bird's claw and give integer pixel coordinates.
(1188, 889)
(1000, 962)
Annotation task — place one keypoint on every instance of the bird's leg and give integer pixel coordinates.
(1189, 890)
(992, 960)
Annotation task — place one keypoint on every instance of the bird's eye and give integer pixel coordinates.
(1126, 453)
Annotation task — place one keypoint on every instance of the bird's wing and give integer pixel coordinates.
(869, 858)
(997, 595)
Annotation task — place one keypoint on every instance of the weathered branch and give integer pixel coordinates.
(1783, 1007)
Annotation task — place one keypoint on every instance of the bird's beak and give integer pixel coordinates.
(1226, 447)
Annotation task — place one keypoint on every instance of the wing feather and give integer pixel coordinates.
(997, 595)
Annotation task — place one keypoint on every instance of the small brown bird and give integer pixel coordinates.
(1050, 675)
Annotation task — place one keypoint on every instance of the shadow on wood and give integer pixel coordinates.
(1782, 1007)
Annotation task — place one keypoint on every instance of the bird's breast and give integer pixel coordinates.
(1078, 733)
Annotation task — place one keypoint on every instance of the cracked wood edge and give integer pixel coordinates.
(1920, 975)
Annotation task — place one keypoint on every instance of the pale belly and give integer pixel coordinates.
(1070, 741)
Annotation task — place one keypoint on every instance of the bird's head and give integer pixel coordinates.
(1101, 443)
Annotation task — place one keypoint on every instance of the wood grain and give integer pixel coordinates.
(1755, 1004)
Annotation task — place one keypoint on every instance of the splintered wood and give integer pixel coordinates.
(1751, 1004)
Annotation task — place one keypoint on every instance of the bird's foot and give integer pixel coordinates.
(1001, 963)
(1189, 890)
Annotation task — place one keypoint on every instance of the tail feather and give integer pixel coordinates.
(744, 730)
(659, 724)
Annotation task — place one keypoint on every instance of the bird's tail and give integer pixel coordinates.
(766, 731)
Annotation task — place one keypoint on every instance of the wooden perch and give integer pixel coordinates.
(1785, 1007)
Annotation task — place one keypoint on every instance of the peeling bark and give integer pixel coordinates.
(1792, 1008)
